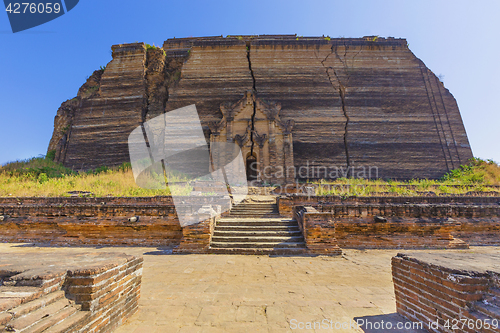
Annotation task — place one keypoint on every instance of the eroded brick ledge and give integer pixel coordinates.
(443, 289)
(77, 292)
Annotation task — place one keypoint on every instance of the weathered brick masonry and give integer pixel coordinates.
(453, 292)
(331, 222)
(397, 222)
(91, 221)
(340, 103)
(83, 292)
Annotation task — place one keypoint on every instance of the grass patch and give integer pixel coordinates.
(476, 176)
(41, 176)
(154, 47)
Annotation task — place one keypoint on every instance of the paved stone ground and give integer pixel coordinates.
(234, 293)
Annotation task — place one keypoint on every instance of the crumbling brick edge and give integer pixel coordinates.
(110, 293)
(441, 296)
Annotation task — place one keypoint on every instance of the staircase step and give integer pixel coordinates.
(257, 244)
(266, 210)
(272, 207)
(480, 316)
(268, 239)
(243, 214)
(36, 304)
(52, 320)
(75, 321)
(487, 309)
(250, 228)
(240, 218)
(495, 292)
(32, 318)
(253, 215)
(261, 203)
(256, 229)
(249, 209)
(492, 300)
(13, 296)
(255, 224)
(263, 251)
(256, 233)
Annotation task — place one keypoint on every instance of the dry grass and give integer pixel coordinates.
(477, 176)
(42, 177)
(109, 183)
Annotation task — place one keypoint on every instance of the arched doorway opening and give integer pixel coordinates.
(252, 170)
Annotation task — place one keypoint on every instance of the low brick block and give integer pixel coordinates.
(455, 292)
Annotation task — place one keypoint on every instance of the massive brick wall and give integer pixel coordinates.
(355, 102)
(101, 124)
(447, 293)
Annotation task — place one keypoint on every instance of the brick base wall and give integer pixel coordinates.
(90, 221)
(104, 288)
(441, 296)
(418, 222)
(110, 293)
(371, 222)
(318, 230)
(196, 238)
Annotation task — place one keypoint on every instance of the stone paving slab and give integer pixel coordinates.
(236, 293)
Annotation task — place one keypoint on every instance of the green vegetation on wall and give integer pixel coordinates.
(154, 47)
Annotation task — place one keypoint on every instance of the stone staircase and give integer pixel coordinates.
(256, 228)
(37, 313)
(488, 307)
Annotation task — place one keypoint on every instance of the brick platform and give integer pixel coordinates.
(355, 222)
(398, 222)
(443, 290)
(92, 221)
(77, 292)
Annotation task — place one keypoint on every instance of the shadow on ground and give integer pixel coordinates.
(160, 251)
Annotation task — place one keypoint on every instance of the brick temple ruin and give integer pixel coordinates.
(288, 102)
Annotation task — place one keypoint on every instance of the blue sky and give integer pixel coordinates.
(44, 66)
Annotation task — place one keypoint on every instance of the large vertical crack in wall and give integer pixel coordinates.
(339, 87)
(254, 90)
(439, 85)
(346, 127)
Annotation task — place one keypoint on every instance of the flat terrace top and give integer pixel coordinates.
(280, 39)
(44, 266)
(472, 264)
(239, 293)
